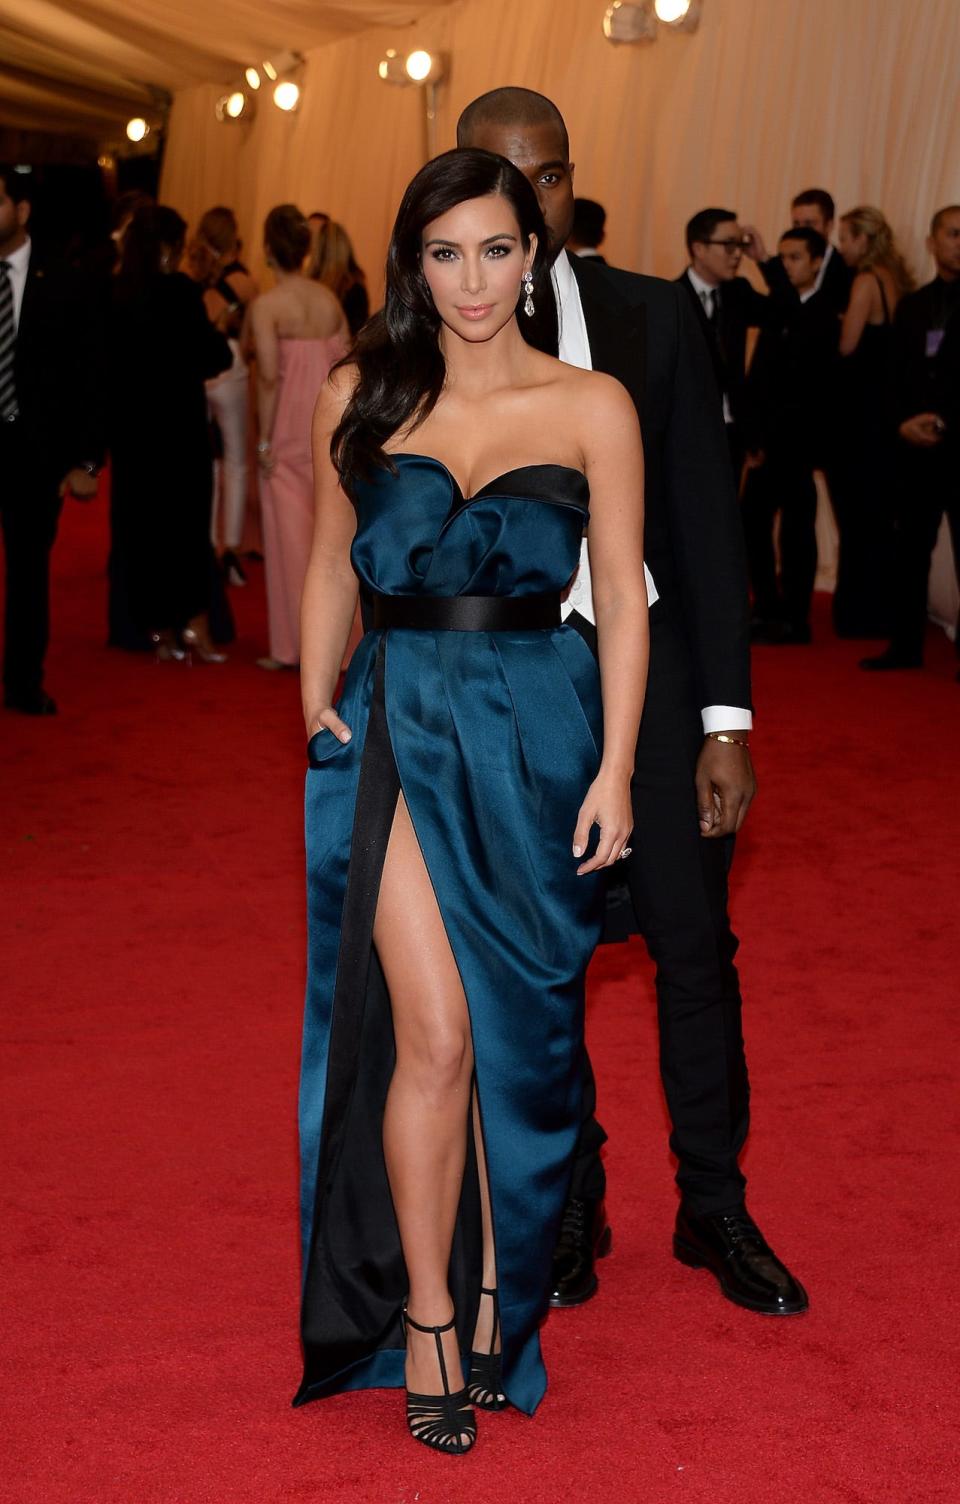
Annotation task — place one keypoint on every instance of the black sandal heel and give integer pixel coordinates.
(483, 1386)
(440, 1421)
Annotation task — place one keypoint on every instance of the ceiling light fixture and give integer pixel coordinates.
(137, 129)
(252, 77)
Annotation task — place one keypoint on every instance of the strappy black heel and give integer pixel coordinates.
(485, 1379)
(440, 1421)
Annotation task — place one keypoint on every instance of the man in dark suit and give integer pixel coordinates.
(589, 228)
(726, 306)
(787, 415)
(50, 441)
(691, 789)
(925, 411)
(813, 209)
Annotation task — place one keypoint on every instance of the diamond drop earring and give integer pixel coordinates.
(528, 289)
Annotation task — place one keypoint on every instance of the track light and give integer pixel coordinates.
(679, 15)
(418, 67)
(137, 129)
(271, 72)
(286, 95)
(235, 106)
(252, 77)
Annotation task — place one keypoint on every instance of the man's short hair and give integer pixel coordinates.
(815, 243)
(17, 185)
(511, 106)
(820, 198)
(589, 219)
(941, 215)
(701, 227)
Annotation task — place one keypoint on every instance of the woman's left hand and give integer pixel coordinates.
(608, 805)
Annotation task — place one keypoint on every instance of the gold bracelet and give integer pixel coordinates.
(728, 741)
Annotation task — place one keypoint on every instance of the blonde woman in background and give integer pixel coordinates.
(298, 331)
(861, 474)
(228, 289)
(333, 263)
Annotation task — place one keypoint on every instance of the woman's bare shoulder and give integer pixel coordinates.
(335, 394)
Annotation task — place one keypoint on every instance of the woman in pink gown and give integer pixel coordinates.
(298, 331)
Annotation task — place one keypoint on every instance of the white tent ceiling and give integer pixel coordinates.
(84, 66)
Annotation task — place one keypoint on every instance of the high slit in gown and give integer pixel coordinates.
(494, 737)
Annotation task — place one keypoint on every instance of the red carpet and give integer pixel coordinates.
(152, 945)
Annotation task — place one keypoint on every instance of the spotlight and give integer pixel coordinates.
(423, 67)
(630, 23)
(252, 77)
(680, 15)
(270, 71)
(137, 128)
(286, 95)
(235, 106)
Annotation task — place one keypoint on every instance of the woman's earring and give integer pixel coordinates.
(528, 289)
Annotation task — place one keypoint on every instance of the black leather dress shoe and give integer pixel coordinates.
(884, 662)
(38, 703)
(584, 1237)
(733, 1248)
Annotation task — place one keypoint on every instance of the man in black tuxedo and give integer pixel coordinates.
(50, 440)
(589, 228)
(787, 419)
(726, 306)
(813, 209)
(693, 781)
(926, 400)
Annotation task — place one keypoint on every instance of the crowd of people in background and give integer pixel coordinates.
(842, 366)
(854, 373)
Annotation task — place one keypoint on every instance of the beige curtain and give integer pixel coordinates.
(768, 96)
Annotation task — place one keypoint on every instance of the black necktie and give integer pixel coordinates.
(8, 345)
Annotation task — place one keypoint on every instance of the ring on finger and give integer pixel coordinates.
(627, 851)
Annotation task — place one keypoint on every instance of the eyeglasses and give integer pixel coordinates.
(731, 245)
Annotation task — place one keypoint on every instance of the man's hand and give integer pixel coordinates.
(753, 244)
(726, 784)
(924, 431)
(80, 483)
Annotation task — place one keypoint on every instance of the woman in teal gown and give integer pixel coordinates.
(462, 799)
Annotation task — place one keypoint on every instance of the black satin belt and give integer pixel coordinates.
(468, 613)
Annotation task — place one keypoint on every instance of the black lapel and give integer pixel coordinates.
(616, 329)
(31, 290)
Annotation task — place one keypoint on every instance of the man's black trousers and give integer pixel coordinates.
(783, 483)
(929, 486)
(29, 511)
(678, 885)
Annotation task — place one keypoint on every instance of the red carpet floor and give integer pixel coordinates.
(152, 966)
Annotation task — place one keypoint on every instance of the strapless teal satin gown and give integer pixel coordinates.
(494, 738)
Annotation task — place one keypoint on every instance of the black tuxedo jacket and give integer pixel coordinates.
(643, 331)
(791, 380)
(739, 308)
(834, 289)
(58, 368)
(923, 383)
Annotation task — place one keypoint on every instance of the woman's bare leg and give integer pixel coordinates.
(425, 1121)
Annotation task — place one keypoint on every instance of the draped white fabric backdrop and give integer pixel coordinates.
(767, 97)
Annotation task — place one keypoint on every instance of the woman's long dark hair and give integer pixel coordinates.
(401, 370)
(153, 228)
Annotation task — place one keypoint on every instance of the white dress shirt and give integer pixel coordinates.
(711, 307)
(575, 350)
(18, 263)
(823, 270)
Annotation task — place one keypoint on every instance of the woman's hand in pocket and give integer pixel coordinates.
(328, 720)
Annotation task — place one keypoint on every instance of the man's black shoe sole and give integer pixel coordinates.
(564, 1302)
(688, 1255)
